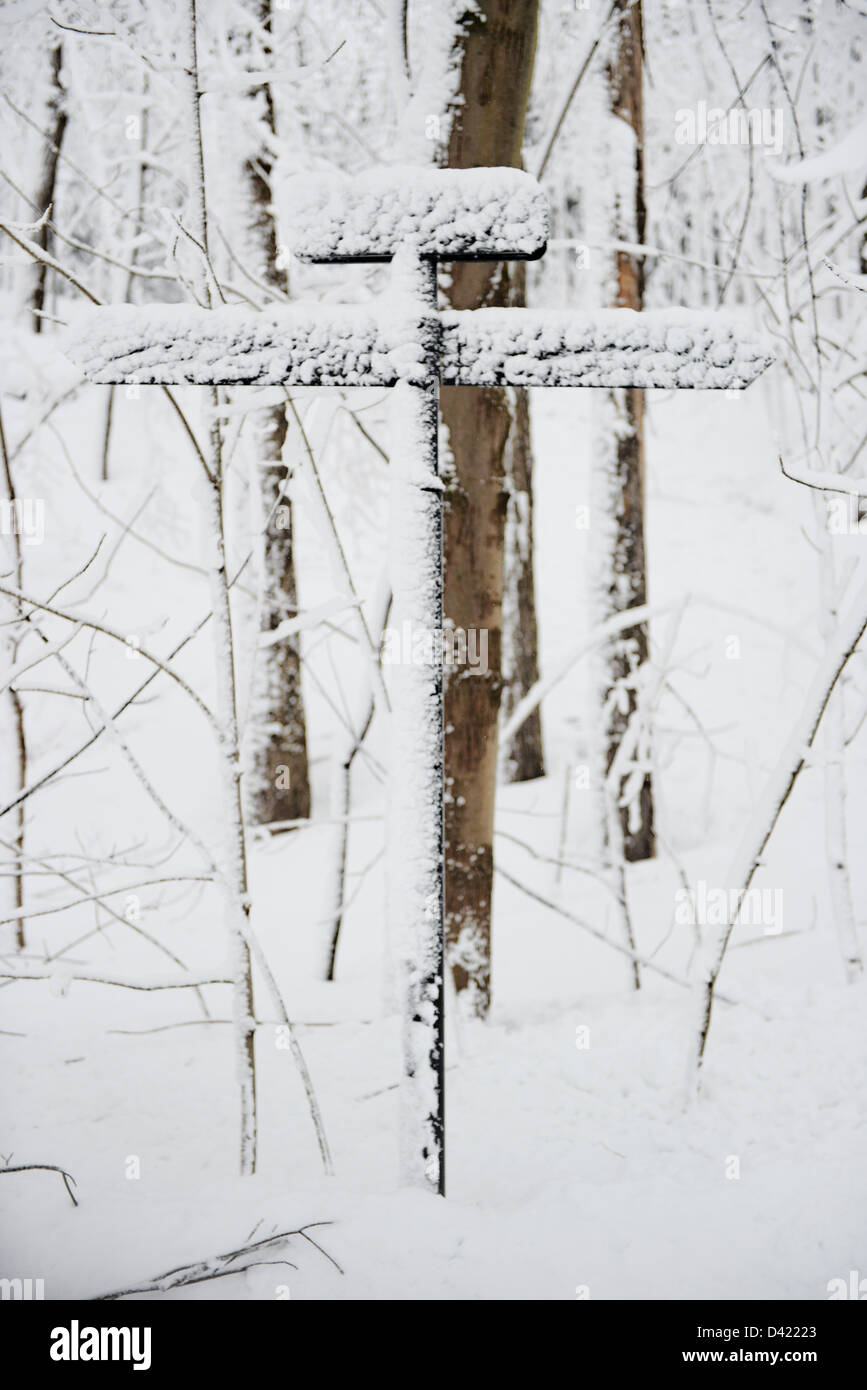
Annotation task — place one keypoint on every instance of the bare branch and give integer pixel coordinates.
(222, 1266)
(778, 789)
(121, 979)
(827, 482)
(46, 1168)
(118, 637)
(643, 961)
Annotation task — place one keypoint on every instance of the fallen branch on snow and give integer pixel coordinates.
(221, 1266)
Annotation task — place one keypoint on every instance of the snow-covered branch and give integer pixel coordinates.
(62, 974)
(271, 1251)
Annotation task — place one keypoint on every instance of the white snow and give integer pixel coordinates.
(848, 156)
(565, 1167)
(489, 214)
(309, 345)
(615, 347)
(571, 1164)
(322, 345)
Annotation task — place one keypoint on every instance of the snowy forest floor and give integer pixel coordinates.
(568, 1167)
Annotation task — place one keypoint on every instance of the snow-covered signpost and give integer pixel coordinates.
(416, 218)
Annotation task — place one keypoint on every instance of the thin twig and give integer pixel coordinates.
(221, 1266)
(46, 1168)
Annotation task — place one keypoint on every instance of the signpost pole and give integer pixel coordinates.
(416, 873)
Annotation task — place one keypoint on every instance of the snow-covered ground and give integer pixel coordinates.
(571, 1164)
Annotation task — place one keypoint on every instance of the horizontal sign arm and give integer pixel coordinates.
(299, 345)
(671, 348)
(448, 214)
(324, 345)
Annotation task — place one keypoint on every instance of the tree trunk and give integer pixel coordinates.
(524, 759)
(624, 486)
(45, 192)
(279, 780)
(497, 45)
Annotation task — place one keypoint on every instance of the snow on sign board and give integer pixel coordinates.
(451, 215)
(668, 348)
(415, 218)
(296, 345)
(331, 345)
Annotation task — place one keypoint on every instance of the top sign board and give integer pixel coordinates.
(450, 215)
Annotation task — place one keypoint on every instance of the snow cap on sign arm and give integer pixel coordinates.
(665, 348)
(451, 214)
(296, 344)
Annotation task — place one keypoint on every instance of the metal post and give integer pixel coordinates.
(416, 839)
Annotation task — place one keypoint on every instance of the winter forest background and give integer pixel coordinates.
(197, 658)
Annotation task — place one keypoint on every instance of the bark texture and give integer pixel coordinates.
(45, 192)
(524, 757)
(497, 49)
(627, 575)
(279, 777)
